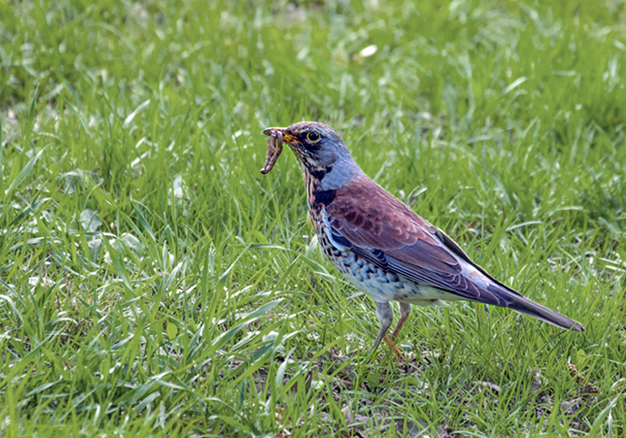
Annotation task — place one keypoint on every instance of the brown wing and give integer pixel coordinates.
(381, 228)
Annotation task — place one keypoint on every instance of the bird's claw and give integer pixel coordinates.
(396, 351)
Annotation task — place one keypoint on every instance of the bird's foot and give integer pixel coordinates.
(396, 351)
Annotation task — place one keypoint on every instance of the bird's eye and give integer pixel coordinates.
(313, 136)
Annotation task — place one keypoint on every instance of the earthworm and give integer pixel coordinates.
(274, 148)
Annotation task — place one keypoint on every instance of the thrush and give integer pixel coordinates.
(382, 246)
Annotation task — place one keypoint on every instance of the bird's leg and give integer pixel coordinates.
(385, 316)
(405, 310)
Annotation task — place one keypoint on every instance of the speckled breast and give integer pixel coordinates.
(382, 286)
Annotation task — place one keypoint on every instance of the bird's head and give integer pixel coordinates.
(315, 145)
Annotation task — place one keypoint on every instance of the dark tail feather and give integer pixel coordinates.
(528, 307)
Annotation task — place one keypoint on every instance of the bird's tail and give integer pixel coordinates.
(528, 307)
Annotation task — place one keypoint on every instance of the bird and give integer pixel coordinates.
(382, 246)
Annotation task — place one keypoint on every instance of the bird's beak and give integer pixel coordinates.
(286, 137)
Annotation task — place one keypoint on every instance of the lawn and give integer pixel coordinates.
(154, 284)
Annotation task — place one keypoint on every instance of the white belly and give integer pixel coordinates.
(384, 286)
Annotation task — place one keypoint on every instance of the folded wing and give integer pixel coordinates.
(385, 231)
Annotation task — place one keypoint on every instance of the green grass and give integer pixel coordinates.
(154, 283)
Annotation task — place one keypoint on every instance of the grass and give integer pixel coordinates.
(154, 283)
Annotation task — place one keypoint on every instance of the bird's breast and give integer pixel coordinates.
(380, 284)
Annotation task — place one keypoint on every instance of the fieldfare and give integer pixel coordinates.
(382, 246)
